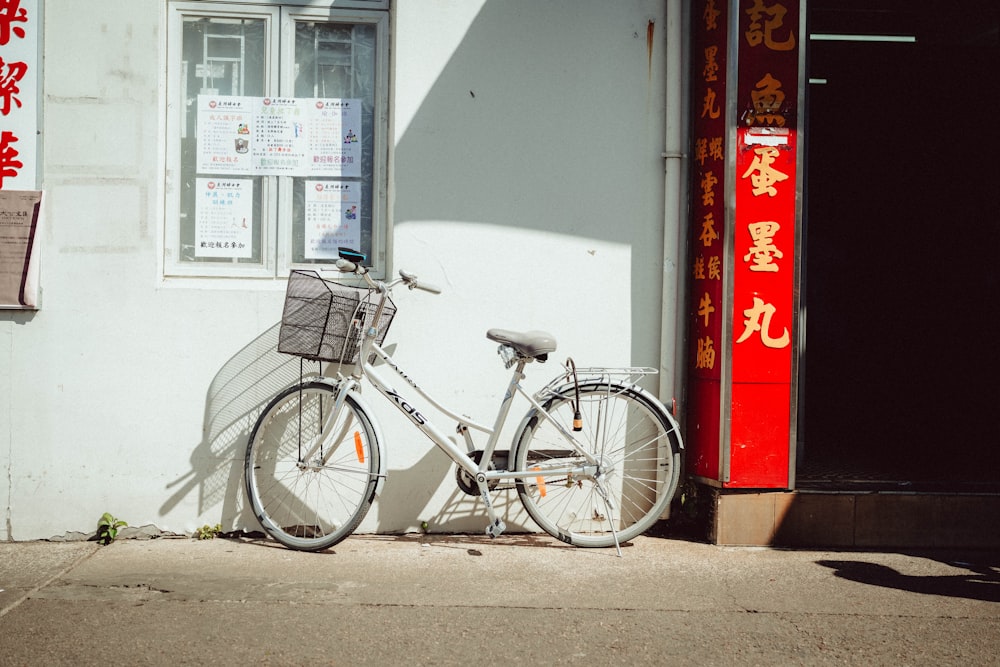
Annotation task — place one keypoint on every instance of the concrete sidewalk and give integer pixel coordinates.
(466, 600)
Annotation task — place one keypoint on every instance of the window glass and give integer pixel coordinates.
(222, 56)
(276, 145)
(337, 60)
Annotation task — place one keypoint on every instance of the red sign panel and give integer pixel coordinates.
(754, 399)
(708, 205)
(764, 276)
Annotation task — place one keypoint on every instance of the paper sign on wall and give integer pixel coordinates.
(333, 218)
(279, 136)
(224, 135)
(18, 250)
(224, 217)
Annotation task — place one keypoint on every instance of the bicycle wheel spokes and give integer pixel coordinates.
(637, 454)
(311, 475)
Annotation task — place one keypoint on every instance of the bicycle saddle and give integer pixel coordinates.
(534, 344)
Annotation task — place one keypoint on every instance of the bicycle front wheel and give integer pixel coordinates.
(637, 449)
(311, 473)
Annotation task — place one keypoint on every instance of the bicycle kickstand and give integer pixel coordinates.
(611, 521)
(496, 525)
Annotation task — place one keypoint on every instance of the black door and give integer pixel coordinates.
(902, 357)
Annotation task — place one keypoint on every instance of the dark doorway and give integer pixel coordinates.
(902, 356)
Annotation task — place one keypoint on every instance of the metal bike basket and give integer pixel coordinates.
(325, 321)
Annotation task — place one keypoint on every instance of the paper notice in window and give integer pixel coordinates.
(279, 136)
(224, 139)
(333, 218)
(334, 138)
(18, 248)
(224, 217)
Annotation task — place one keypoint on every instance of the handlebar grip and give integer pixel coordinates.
(347, 266)
(412, 282)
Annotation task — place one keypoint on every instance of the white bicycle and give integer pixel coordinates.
(595, 461)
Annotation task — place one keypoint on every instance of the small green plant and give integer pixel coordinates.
(107, 528)
(208, 532)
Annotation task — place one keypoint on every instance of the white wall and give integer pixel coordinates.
(527, 182)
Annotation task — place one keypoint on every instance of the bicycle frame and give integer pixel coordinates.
(366, 368)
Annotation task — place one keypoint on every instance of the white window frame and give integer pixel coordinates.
(279, 21)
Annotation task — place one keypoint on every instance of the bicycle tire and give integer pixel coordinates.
(310, 505)
(637, 444)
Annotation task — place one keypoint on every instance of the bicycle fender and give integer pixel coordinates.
(568, 390)
(365, 407)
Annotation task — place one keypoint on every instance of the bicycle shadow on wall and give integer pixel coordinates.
(237, 395)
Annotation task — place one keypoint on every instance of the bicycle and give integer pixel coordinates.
(595, 461)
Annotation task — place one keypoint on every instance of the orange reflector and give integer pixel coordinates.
(540, 481)
(359, 447)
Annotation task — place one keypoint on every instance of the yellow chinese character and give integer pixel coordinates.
(710, 15)
(705, 307)
(757, 33)
(701, 150)
(711, 69)
(708, 182)
(709, 107)
(706, 353)
(764, 176)
(714, 268)
(699, 268)
(767, 100)
(763, 250)
(757, 319)
(708, 233)
(715, 148)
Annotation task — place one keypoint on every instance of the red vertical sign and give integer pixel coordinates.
(749, 331)
(764, 275)
(708, 209)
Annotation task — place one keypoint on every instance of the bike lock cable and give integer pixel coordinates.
(577, 417)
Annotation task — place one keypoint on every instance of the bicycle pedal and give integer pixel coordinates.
(496, 528)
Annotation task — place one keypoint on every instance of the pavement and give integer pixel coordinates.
(463, 600)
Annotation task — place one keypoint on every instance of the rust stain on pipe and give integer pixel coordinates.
(650, 29)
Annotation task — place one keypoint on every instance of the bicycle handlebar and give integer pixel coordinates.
(410, 280)
(412, 283)
(347, 266)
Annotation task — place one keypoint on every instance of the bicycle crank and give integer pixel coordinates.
(467, 483)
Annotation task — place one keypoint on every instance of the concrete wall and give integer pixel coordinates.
(527, 181)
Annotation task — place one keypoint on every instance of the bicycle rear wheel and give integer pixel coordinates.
(637, 448)
(311, 476)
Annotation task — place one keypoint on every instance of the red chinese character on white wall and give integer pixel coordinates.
(10, 75)
(9, 164)
(11, 13)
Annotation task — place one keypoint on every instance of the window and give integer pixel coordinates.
(276, 136)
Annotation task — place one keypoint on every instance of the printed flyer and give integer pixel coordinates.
(335, 138)
(224, 135)
(279, 136)
(18, 248)
(224, 218)
(332, 219)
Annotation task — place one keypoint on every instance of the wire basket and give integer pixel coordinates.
(325, 321)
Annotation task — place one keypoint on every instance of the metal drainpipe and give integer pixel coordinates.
(672, 323)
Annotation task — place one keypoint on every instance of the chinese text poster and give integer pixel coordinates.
(279, 136)
(333, 212)
(18, 251)
(224, 218)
